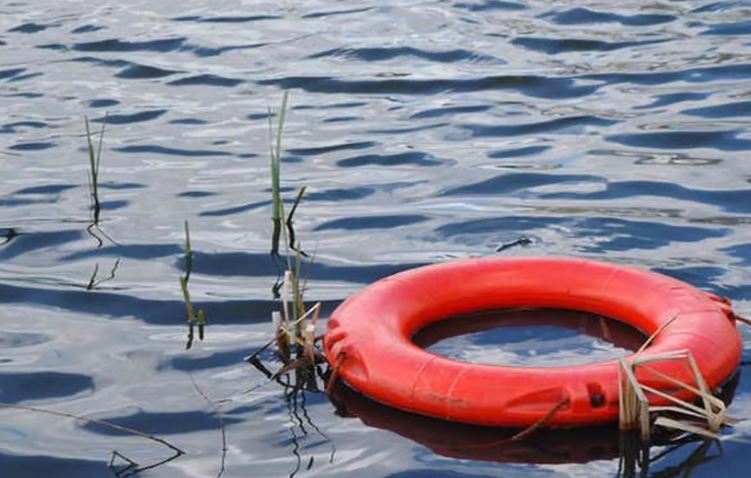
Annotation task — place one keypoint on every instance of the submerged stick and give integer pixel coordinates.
(178, 452)
(220, 418)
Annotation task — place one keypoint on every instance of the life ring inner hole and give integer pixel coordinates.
(540, 337)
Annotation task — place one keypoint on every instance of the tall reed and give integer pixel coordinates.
(277, 207)
(95, 158)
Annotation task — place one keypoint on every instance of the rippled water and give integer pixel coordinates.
(423, 130)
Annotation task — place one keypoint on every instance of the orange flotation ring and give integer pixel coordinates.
(368, 338)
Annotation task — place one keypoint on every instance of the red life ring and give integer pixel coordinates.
(368, 338)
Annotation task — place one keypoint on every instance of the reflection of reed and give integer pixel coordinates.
(633, 455)
(296, 381)
(696, 458)
(94, 282)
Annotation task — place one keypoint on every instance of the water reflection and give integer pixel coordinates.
(530, 337)
(544, 447)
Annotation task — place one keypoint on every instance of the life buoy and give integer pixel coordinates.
(368, 338)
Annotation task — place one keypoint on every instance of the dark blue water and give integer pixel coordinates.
(424, 131)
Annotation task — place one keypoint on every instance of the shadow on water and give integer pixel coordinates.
(48, 466)
(18, 387)
(152, 311)
(17, 242)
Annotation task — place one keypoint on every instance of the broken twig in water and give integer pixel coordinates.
(522, 241)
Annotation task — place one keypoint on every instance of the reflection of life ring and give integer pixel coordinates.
(369, 338)
(472, 442)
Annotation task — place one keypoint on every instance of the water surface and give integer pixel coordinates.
(424, 131)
